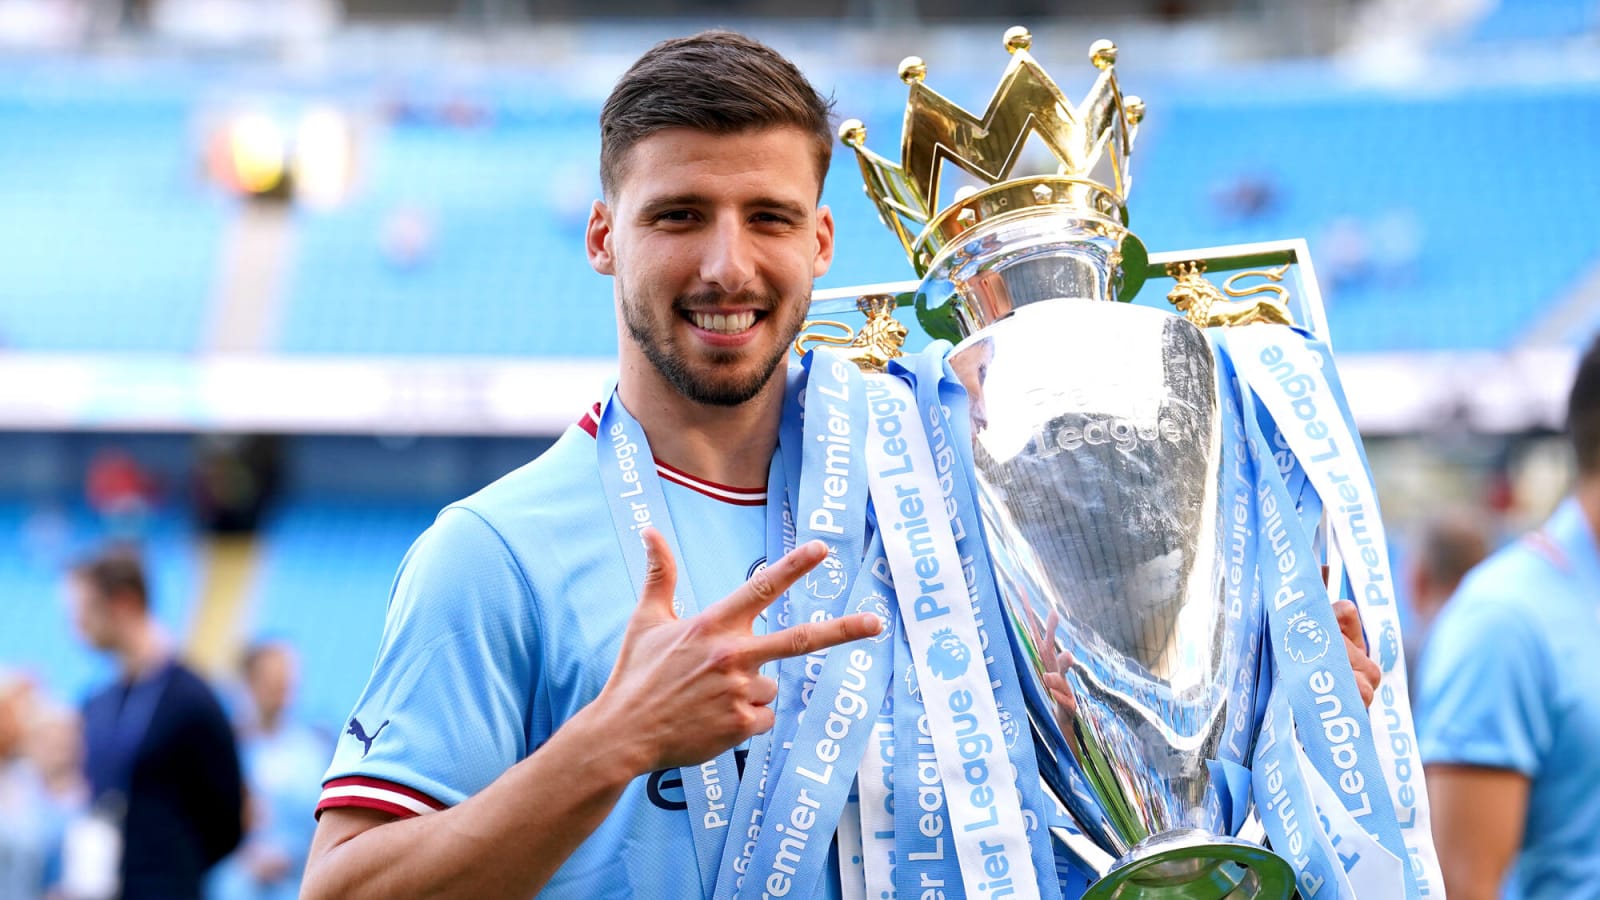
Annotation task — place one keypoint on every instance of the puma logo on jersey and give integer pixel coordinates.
(361, 734)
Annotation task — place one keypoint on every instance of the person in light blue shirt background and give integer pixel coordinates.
(1509, 699)
(283, 758)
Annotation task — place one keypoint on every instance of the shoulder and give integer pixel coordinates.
(189, 687)
(1508, 596)
(564, 476)
(1495, 629)
(516, 511)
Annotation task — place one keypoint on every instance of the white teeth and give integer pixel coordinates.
(725, 323)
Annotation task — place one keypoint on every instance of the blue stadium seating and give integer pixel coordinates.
(323, 586)
(1447, 218)
(1542, 21)
(108, 237)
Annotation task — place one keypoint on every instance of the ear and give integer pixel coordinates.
(824, 258)
(597, 239)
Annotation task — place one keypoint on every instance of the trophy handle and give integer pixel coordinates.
(809, 338)
(1207, 306)
(1292, 296)
(880, 338)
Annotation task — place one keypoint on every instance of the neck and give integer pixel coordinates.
(144, 650)
(730, 445)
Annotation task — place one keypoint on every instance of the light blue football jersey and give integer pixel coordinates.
(1509, 680)
(504, 621)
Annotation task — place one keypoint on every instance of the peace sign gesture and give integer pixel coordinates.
(684, 690)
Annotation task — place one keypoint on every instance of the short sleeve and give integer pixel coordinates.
(447, 707)
(1485, 695)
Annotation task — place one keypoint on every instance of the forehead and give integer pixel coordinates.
(778, 161)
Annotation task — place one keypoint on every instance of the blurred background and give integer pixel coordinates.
(279, 278)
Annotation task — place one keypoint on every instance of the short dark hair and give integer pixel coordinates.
(115, 572)
(259, 650)
(716, 81)
(1451, 545)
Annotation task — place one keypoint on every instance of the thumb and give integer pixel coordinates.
(660, 577)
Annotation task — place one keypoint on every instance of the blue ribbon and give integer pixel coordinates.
(635, 499)
(814, 785)
(943, 402)
(1317, 685)
(925, 856)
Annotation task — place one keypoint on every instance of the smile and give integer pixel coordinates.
(724, 323)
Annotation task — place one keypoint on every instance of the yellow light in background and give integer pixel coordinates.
(258, 153)
(323, 157)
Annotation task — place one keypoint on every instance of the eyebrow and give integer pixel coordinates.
(763, 202)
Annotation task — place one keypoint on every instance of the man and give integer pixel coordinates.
(160, 755)
(518, 688)
(1510, 698)
(283, 758)
(525, 720)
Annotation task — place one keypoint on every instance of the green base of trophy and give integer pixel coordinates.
(1193, 865)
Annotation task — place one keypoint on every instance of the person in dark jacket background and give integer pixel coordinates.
(161, 760)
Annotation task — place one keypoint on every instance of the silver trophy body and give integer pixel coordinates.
(1097, 437)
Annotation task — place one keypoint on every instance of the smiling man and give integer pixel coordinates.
(529, 724)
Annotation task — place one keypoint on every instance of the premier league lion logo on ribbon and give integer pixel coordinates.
(948, 656)
(878, 605)
(1389, 647)
(1307, 641)
(828, 580)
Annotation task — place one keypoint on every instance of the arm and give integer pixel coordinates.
(682, 692)
(1486, 722)
(1478, 816)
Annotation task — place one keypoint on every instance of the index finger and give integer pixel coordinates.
(809, 637)
(744, 604)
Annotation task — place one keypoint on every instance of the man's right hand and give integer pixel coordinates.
(685, 690)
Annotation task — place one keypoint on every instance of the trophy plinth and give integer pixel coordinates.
(1192, 865)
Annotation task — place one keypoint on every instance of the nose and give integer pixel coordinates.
(729, 260)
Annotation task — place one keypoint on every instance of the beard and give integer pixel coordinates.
(715, 381)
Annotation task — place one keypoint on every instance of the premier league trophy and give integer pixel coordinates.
(1097, 435)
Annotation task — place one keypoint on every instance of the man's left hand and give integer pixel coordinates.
(1355, 645)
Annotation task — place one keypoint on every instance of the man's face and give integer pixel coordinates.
(92, 613)
(271, 679)
(714, 240)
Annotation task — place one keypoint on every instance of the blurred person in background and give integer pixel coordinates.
(160, 756)
(283, 762)
(1445, 549)
(26, 838)
(55, 744)
(1509, 711)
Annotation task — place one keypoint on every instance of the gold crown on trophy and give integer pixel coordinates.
(1090, 142)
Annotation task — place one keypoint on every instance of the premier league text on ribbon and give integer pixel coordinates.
(1300, 387)
(990, 837)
